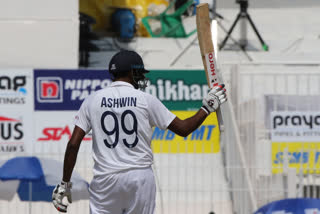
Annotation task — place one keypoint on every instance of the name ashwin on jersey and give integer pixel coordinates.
(118, 102)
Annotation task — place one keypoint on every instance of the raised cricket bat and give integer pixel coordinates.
(207, 51)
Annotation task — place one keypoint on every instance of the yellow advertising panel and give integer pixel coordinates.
(203, 140)
(301, 155)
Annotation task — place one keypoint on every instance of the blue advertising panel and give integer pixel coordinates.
(66, 89)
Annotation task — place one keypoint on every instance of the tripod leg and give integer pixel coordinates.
(264, 45)
(230, 31)
(236, 42)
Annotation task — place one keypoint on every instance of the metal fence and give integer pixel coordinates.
(236, 165)
(186, 183)
(247, 147)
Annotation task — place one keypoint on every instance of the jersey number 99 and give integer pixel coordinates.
(115, 130)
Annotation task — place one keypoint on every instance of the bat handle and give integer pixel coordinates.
(220, 120)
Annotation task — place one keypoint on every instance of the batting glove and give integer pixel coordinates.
(214, 99)
(60, 191)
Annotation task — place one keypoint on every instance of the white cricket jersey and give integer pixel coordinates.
(121, 119)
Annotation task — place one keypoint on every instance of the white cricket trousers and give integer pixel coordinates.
(127, 192)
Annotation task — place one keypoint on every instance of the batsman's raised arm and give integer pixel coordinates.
(210, 103)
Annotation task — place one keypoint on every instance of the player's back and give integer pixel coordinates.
(121, 119)
(121, 128)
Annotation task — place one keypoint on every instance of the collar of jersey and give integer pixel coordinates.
(121, 83)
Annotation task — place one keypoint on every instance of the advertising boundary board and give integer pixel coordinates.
(295, 135)
(53, 91)
(295, 126)
(65, 90)
(179, 90)
(16, 110)
(301, 155)
(205, 139)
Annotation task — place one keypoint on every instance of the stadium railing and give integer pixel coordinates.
(247, 144)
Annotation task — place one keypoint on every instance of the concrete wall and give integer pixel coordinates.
(39, 33)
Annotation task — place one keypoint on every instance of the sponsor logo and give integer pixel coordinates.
(295, 126)
(211, 103)
(113, 67)
(16, 83)
(57, 134)
(203, 140)
(204, 132)
(82, 88)
(211, 66)
(295, 157)
(303, 156)
(50, 89)
(12, 89)
(11, 135)
(166, 90)
(302, 120)
(66, 89)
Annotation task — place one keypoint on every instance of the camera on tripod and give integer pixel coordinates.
(243, 14)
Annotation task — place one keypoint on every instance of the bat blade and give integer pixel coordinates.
(207, 50)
